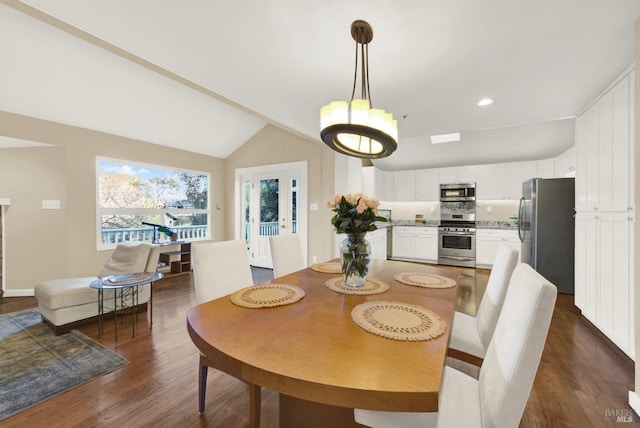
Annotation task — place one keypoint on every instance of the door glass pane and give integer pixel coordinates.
(269, 215)
(246, 203)
(294, 205)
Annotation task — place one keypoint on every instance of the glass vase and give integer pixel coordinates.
(355, 253)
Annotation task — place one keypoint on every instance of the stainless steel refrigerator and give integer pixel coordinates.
(546, 227)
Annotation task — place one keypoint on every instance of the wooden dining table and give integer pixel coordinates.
(320, 361)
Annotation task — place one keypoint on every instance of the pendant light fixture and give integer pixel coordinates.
(356, 128)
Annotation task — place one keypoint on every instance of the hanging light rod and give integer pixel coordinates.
(356, 128)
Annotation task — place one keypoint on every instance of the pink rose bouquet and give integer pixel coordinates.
(354, 213)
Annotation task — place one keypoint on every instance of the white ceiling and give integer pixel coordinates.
(206, 76)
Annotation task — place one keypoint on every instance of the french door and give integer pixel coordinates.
(270, 208)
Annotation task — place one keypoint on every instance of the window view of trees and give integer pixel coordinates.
(269, 190)
(129, 194)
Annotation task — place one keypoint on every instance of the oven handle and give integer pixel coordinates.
(445, 232)
(462, 259)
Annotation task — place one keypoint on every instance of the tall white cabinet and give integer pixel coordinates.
(605, 215)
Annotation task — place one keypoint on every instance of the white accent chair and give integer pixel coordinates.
(470, 336)
(65, 303)
(221, 268)
(286, 253)
(498, 398)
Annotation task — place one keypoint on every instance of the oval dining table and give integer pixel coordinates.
(320, 361)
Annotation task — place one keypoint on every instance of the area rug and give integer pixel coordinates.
(36, 365)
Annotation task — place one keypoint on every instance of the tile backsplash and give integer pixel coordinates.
(498, 210)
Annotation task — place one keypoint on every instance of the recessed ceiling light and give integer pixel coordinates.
(485, 102)
(445, 138)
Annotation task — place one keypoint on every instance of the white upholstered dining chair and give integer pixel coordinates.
(499, 396)
(470, 336)
(286, 254)
(221, 268)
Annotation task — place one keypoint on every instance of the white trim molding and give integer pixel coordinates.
(634, 401)
(3, 248)
(27, 292)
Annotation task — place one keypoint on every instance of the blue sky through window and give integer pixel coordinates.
(175, 198)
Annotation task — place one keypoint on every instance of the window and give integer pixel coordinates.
(130, 194)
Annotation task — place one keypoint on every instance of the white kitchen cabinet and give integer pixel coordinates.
(403, 242)
(615, 303)
(604, 149)
(516, 173)
(565, 164)
(581, 163)
(389, 181)
(504, 181)
(460, 174)
(377, 239)
(545, 169)
(468, 174)
(512, 239)
(592, 148)
(427, 185)
(586, 284)
(447, 175)
(415, 243)
(488, 241)
(427, 243)
(373, 182)
(347, 174)
(604, 274)
(379, 184)
(404, 185)
(616, 161)
(337, 241)
(491, 182)
(604, 271)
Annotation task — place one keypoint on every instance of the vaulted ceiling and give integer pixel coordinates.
(206, 76)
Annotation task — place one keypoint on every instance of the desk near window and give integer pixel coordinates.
(318, 358)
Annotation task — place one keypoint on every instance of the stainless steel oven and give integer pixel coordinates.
(457, 244)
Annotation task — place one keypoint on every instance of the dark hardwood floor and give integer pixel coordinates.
(583, 380)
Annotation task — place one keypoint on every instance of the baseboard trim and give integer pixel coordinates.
(634, 401)
(28, 292)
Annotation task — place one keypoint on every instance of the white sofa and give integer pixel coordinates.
(65, 303)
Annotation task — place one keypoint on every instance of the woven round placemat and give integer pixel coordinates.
(398, 321)
(129, 278)
(427, 280)
(371, 286)
(328, 267)
(267, 295)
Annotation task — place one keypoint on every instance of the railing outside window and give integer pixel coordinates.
(114, 236)
(270, 228)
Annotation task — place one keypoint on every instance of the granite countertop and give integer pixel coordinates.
(383, 224)
(429, 223)
(495, 225)
(434, 223)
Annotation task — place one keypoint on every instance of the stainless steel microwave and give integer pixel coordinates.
(457, 192)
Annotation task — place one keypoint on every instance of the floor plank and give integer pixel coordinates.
(582, 381)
